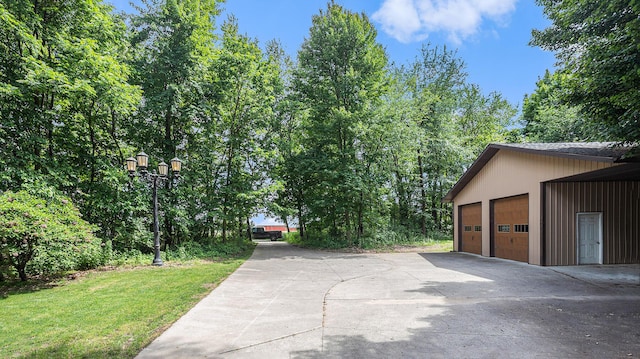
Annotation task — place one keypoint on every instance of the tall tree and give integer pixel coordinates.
(174, 46)
(340, 77)
(548, 118)
(286, 202)
(440, 124)
(63, 100)
(597, 43)
(435, 81)
(246, 85)
(402, 134)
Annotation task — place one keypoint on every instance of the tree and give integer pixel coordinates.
(339, 78)
(245, 86)
(435, 83)
(174, 48)
(547, 118)
(64, 98)
(49, 231)
(597, 44)
(440, 123)
(402, 134)
(286, 199)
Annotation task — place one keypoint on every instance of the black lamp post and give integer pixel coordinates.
(142, 162)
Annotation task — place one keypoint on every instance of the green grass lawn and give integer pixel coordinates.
(103, 314)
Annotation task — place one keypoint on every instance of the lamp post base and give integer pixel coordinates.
(157, 262)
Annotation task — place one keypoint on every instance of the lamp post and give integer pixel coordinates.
(142, 162)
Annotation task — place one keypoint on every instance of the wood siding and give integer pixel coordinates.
(511, 173)
(619, 203)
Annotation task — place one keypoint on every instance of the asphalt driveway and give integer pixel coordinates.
(290, 302)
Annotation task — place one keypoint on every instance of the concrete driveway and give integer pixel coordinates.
(287, 302)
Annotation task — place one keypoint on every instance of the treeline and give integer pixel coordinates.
(372, 148)
(338, 141)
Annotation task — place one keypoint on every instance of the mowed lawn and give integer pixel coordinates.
(103, 314)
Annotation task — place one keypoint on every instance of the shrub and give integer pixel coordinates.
(39, 236)
(291, 237)
(212, 251)
(383, 237)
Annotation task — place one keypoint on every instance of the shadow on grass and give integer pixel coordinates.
(67, 350)
(13, 287)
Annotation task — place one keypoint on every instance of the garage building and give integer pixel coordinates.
(550, 204)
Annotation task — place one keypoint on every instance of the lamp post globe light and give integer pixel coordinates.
(141, 163)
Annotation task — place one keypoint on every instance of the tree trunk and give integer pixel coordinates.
(300, 219)
(423, 197)
(20, 266)
(248, 229)
(22, 274)
(435, 214)
(50, 131)
(360, 216)
(347, 224)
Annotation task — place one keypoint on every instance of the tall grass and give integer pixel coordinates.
(385, 239)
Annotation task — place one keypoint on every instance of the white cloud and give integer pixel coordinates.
(413, 20)
(400, 19)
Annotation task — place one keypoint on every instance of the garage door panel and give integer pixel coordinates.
(472, 243)
(512, 248)
(511, 232)
(471, 218)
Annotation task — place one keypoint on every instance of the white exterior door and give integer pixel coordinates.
(589, 238)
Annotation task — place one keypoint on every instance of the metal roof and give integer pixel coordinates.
(593, 151)
(609, 152)
(626, 172)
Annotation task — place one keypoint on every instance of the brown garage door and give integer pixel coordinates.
(511, 228)
(471, 232)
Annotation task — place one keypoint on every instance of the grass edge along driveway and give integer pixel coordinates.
(105, 314)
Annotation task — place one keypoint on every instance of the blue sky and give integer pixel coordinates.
(491, 36)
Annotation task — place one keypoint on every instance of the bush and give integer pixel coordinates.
(316, 239)
(291, 237)
(384, 237)
(194, 250)
(39, 236)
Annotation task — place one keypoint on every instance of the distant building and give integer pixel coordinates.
(277, 227)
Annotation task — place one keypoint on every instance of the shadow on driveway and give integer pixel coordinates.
(291, 302)
(504, 309)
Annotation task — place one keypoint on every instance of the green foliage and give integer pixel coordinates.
(65, 98)
(597, 44)
(338, 142)
(246, 84)
(437, 123)
(173, 46)
(399, 236)
(339, 78)
(39, 236)
(214, 251)
(547, 117)
(291, 237)
(383, 239)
